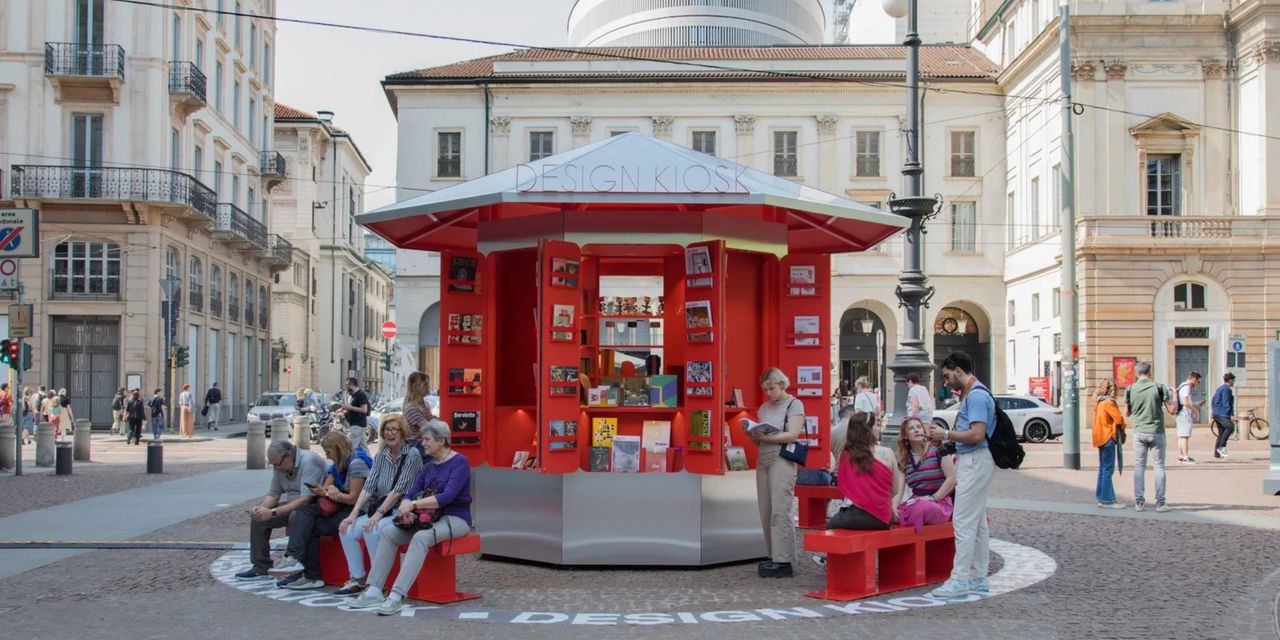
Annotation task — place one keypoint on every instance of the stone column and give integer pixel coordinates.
(1090, 142)
(1117, 143)
(500, 135)
(44, 444)
(581, 130)
(745, 126)
(827, 148)
(255, 446)
(83, 434)
(302, 431)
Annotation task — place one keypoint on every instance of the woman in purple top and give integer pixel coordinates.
(444, 485)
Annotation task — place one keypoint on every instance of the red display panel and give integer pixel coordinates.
(750, 329)
(559, 317)
(702, 324)
(804, 326)
(465, 330)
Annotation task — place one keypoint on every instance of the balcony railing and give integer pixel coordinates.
(249, 313)
(1126, 230)
(215, 304)
(233, 310)
(272, 168)
(195, 297)
(233, 221)
(84, 60)
(186, 77)
(279, 254)
(264, 318)
(45, 182)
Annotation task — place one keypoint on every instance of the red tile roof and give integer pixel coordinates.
(286, 112)
(936, 61)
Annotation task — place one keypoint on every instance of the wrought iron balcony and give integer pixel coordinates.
(215, 303)
(272, 169)
(74, 59)
(187, 86)
(46, 182)
(237, 227)
(279, 254)
(195, 297)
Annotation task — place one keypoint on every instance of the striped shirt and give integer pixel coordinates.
(380, 482)
(417, 414)
(927, 477)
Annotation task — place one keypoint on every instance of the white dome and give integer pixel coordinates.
(696, 23)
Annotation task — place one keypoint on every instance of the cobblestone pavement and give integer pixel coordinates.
(1117, 577)
(38, 487)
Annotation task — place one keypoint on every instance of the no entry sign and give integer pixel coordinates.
(388, 329)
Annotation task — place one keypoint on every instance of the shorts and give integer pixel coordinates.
(1184, 426)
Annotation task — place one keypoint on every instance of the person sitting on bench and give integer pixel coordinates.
(294, 470)
(929, 476)
(865, 478)
(435, 509)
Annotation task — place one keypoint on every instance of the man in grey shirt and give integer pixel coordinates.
(294, 469)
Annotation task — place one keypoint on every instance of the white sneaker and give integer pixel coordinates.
(980, 586)
(285, 565)
(1222, 453)
(1110, 505)
(821, 561)
(366, 601)
(951, 589)
(1161, 507)
(390, 606)
(1139, 506)
(303, 584)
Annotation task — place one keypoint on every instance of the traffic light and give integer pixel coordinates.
(26, 357)
(181, 355)
(6, 357)
(386, 362)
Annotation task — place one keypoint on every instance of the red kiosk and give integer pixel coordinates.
(605, 316)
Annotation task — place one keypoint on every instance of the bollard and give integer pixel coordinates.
(44, 444)
(255, 447)
(65, 453)
(7, 441)
(302, 431)
(82, 437)
(279, 427)
(155, 456)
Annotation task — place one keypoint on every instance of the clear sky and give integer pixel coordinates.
(340, 70)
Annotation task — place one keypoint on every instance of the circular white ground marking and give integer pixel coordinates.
(1023, 567)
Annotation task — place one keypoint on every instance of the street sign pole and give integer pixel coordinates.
(17, 389)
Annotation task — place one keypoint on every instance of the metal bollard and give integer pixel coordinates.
(279, 427)
(8, 440)
(255, 447)
(65, 453)
(302, 431)
(155, 456)
(44, 444)
(82, 438)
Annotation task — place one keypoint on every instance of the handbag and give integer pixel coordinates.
(797, 452)
(420, 519)
(327, 506)
(204, 411)
(372, 507)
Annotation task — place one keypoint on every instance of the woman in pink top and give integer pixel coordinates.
(866, 478)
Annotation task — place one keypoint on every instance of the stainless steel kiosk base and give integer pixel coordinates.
(676, 519)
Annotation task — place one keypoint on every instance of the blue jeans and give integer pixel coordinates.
(157, 427)
(1106, 491)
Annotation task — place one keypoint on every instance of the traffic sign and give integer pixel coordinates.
(20, 320)
(8, 274)
(1236, 357)
(19, 233)
(388, 329)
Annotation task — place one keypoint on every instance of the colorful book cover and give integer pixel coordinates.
(665, 386)
(600, 458)
(656, 433)
(603, 431)
(655, 459)
(626, 454)
(466, 427)
(700, 424)
(698, 371)
(735, 458)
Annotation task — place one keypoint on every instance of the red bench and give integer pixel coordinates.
(813, 504)
(906, 559)
(437, 582)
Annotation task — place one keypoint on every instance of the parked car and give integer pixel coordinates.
(397, 406)
(284, 403)
(1033, 419)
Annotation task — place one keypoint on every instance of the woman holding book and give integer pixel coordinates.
(775, 475)
(436, 508)
(929, 476)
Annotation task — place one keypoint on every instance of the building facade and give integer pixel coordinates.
(326, 302)
(139, 135)
(840, 132)
(696, 23)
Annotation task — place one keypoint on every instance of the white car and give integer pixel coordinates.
(272, 402)
(397, 406)
(1033, 419)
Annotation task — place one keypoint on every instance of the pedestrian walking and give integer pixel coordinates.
(1188, 416)
(865, 400)
(1108, 439)
(357, 413)
(213, 405)
(135, 410)
(28, 416)
(919, 402)
(975, 422)
(53, 409)
(1224, 413)
(157, 404)
(68, 416)
(186, 417)
(118, 419)
(1145, 402)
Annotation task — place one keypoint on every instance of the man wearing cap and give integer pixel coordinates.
(1224, 413)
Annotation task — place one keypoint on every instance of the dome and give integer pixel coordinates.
(696, 23)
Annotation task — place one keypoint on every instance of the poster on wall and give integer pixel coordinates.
(1122, 371)
(1039, 387)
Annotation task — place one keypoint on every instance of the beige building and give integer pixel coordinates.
(139, 134)
(329, 305)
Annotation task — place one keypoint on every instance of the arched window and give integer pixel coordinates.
(215, 290)
(171, 264)
(233, 297)
(86, 269)
(264, 314)
(195, 286)
(1189, 296)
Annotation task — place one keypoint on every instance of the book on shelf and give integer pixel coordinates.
(811, 430)
(698, 371)
(562, 315)
(697, 314)
(464, 381)
(737, 398)
(596, 396)
(759, 428)
(599, 459)
(663, 391)
(626, 454)
(735, 458)
(466, 427)
(697, 260)
(564, 428)
(603, 431)
(656, 433)
(700, 424)
(563, 445)
(655, 459)
(521, 458)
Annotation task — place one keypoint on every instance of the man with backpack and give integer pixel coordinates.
(1188, 414)
(1145, 403)
(975, 423)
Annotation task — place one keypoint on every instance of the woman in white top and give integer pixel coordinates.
(865, 400)
(186, 419)
(1187, 417)
(775, 475)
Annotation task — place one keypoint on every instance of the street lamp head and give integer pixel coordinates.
(896, 8)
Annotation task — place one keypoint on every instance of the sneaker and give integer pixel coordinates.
(775, 570)
(1187, 460)
(1221, 453)
(1110, 505)
(351, 588)
(390, 606)
(1161, 507)
(251, 573)
(1138, 506)
(366, 601)
(951, 589)
(980, 586)
(821, 561)
(304, 584)
(284, 582)
(285, 564)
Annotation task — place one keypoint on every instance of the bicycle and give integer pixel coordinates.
(1259, 429)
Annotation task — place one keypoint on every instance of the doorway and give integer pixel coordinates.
(85, 360)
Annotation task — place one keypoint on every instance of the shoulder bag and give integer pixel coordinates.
(797, 452)
(374, 504)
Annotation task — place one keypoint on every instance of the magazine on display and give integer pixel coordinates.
(462, 274)
(463, 381)
(808, 375)
(603, 431)
(802, 280)
(520, 460)
(562, 315)
(656, 433)
(600, 458)
(564, 272)
(697, 260)
(626, 454)
(700, 424)
(466, 427)
(697, 314)
(699, 371)
(735, 458)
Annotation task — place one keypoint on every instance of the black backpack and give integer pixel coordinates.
(1003, 442)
